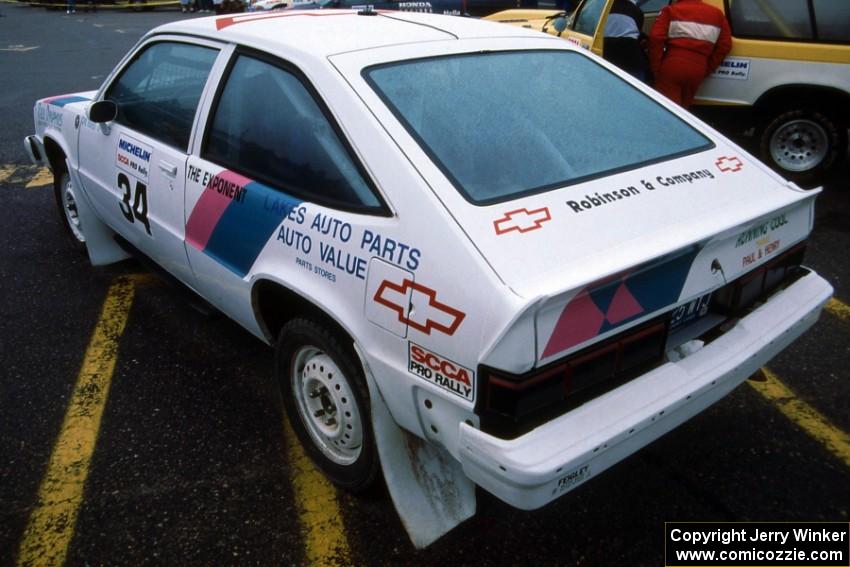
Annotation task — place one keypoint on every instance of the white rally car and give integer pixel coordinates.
(485, 257)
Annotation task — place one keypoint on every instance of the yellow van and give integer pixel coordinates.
(787, 77)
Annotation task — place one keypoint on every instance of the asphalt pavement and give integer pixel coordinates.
(190, 461)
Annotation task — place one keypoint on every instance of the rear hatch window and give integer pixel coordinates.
(502, 125)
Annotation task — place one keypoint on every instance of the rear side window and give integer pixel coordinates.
(506, 124)
(158, 92)
(833, 20)
(777, 19)
(791, 19)
(268, 126)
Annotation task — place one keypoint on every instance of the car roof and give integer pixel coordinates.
(322, 33)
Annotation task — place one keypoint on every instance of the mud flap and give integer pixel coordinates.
(100, 243)
(431, 493)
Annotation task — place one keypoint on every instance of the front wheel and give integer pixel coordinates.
(803, 144)
(66, 201)
(327, 403)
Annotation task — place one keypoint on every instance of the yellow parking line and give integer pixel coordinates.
(321, 519)
(52, 523)
(30, 176)
(804, 415)
(838, 309)
(7, 171)
(41, 178)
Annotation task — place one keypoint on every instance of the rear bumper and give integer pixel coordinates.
(532, 470)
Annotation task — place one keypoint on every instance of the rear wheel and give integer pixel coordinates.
(66, 200)
(804, 144)
(327, 403)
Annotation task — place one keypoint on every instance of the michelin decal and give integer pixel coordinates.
(733, 68)
(134, 157)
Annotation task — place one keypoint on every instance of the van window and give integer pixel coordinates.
(772, 19)
(833, 20)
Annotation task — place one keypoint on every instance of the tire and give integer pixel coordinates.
(66, 202)
(327, 403)
(803, 145)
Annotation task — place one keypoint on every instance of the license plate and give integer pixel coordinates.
(690, 311)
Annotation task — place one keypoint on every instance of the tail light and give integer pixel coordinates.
(513, 404)
(735, 298)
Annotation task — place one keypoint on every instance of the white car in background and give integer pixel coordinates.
(484, 256)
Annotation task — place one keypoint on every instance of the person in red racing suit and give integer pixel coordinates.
(687, 43)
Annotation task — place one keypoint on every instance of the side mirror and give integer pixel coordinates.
(103, 111)
(560, 24)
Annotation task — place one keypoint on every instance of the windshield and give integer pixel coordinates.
(505, 124)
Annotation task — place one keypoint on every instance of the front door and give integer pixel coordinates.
(134, 168)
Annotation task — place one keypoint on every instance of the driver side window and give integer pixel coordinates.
(158, 92)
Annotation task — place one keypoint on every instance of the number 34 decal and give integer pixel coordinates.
(139, 210)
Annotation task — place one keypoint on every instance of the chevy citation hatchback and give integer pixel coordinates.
(460, 289)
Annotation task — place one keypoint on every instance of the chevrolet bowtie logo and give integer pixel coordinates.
(522, 220)
(732, 164)
(425, 313)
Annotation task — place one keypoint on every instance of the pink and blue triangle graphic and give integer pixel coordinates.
(620, 299)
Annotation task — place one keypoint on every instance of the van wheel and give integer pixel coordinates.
(803, 144)
(327, 403)
(66, 201)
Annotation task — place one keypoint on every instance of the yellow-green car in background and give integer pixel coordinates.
(787, 76)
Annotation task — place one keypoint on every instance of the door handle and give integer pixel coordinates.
(168, 168)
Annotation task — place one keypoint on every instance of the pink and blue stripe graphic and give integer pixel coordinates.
(62, 100)
(233, 227)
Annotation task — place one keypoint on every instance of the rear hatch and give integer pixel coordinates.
(621, 249)
(566, 175)
(564, 238)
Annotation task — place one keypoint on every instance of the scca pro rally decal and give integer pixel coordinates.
(441, 371)
(611, 303)
(230, 221)
(426, 314)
